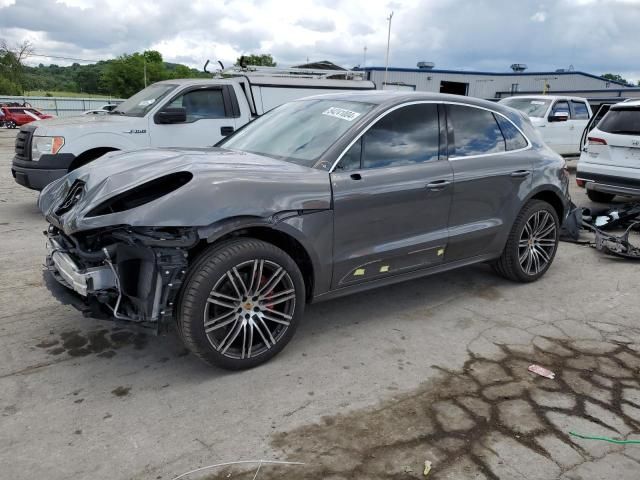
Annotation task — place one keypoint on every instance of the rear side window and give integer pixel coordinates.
(621, 120)
(580, 111)
(475, 132)
(513, 138)
(405, 136)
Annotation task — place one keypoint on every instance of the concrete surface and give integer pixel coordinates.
(371, 386)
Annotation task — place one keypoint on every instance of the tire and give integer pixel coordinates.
(524, 261)
(600, 197)
(224, 326)
(11, 124)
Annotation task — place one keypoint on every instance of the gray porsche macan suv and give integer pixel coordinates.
(318, 198)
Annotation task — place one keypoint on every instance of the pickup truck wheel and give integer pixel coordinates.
(600, 197)
(241, 304)
(532, 243)
(11, 124)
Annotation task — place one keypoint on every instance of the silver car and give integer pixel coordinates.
(319, 198)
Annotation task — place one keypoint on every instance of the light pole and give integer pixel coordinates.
(364, 58)
(386, 63)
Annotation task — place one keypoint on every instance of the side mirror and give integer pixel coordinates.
(559, 116)
(171, 115)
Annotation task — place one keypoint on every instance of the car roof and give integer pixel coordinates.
(390, 98)
(548, 97)
(627, 103)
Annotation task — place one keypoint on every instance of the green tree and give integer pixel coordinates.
(11, 63)
(7, 87)
(259, 60)
(614, 77)
(125, 75)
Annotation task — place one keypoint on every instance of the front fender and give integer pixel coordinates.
(79, 145)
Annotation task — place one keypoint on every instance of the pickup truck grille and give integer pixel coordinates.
(23, 143)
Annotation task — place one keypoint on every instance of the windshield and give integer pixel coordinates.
(621, 120)
(529, 106)
(299, 131)
(143, 101)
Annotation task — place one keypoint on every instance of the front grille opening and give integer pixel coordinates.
(71, 198)
(142, 194)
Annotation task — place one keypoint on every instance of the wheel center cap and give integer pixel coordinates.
(248, 306)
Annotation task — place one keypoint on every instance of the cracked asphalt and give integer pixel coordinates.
(371, 386)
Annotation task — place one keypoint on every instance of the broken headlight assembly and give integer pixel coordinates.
(45, 145)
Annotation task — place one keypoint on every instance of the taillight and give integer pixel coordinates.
(597, 141)
(580, 183)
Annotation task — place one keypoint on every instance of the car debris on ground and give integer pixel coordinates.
(599, 222)
(543, 372)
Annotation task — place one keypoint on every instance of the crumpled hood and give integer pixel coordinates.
(225, 184)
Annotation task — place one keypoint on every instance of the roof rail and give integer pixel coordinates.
(258, 71)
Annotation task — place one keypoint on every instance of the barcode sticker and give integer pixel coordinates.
(341, 113)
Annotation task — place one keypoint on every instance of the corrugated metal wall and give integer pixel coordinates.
(487, 86)
(62, 106)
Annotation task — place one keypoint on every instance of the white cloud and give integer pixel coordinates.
(594, 36)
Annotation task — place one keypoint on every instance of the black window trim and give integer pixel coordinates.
(228, 110)
(439, 102)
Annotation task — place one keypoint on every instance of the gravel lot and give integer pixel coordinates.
(372, 385)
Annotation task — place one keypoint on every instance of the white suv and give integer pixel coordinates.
(610, 163)
(559, 119)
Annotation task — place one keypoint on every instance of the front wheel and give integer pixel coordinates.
(532, 243)
(241, 304)
(11, 124)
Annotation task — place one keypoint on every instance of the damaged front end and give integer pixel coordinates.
(123, 273)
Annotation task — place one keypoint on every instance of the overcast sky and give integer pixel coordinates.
(595, 36)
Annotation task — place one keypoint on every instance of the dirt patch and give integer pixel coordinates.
(121, 391)
(491, 419)
(103, 342)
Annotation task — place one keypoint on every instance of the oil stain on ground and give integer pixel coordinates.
(103, 342)
(490, 420)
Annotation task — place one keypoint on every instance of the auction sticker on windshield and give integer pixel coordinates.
(341, 113)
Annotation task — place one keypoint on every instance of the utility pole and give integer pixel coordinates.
(145, 70)
(364, 58)
(386, 63)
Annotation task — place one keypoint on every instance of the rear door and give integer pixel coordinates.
(621, 127)
(578, 122)
(392, 197)
(212, 112)
(492, 166)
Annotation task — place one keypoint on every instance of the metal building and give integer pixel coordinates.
(496, 85)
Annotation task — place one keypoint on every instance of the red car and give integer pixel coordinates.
(15, 116)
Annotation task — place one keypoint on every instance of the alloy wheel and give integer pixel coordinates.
(537, 242)
(249, 309)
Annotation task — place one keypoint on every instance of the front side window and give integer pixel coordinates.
(560, 106)
(580, 111)
(200, 104)
(299, 131)
(475, 132)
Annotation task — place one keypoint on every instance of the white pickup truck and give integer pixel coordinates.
(171, 113)
(560, 120)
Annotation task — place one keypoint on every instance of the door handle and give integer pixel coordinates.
(438, 185)
(520, 173)
(224, 131)
(356, 176)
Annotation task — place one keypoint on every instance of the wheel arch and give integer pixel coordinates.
(553, 198)
(261, 229)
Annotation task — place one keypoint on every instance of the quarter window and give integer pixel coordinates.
(580, 111)
(512, 136)
(475, 132)
(201, 104)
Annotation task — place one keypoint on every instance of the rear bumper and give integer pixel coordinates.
(609, 183)
(37, 175)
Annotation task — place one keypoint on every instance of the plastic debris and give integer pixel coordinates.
(604, 439)
(427, 467)
(543, 372)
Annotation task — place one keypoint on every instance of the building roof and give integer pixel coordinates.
(499, 74)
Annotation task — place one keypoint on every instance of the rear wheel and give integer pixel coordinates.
(11, 124)
(241, 304)
(532, 243)
(600, 197)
